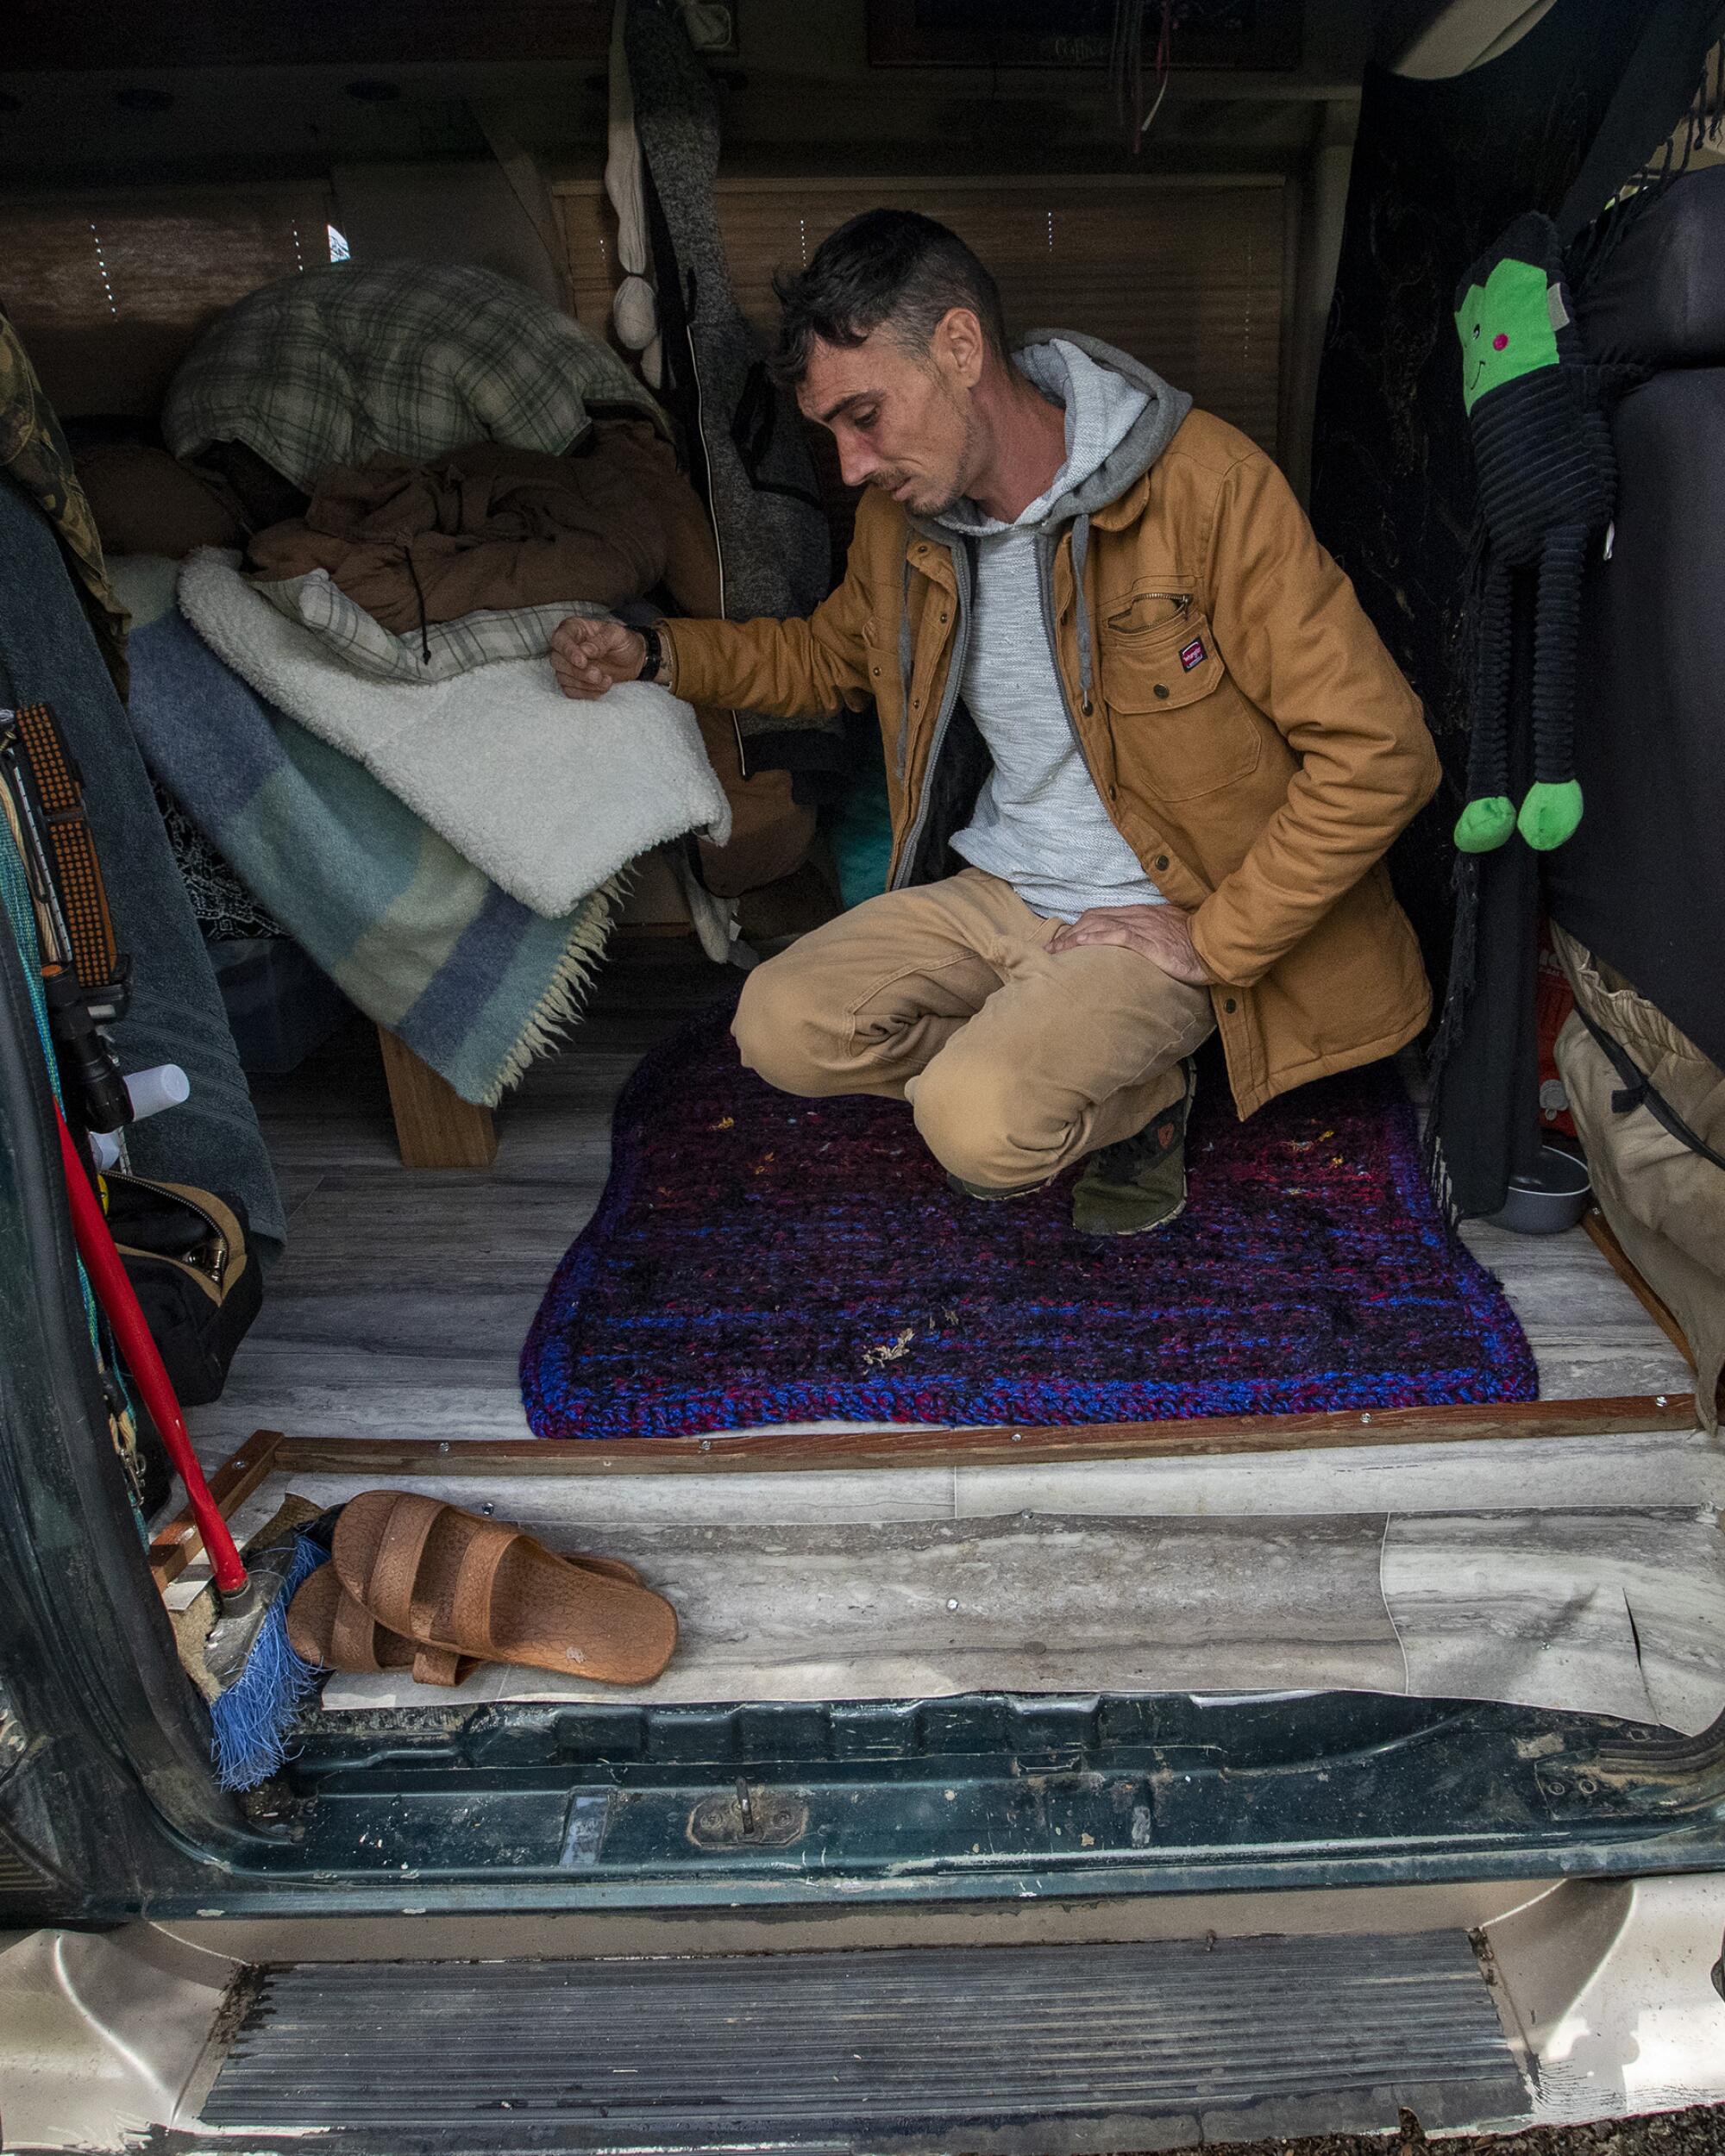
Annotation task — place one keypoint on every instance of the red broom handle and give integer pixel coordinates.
(120, 1305)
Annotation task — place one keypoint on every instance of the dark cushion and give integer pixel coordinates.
(145, 502)
(1642, 882)
(1658, 300)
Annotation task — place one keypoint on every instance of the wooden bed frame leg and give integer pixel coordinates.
(434, 1126)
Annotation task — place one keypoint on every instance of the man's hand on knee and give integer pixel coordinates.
(1161, 933)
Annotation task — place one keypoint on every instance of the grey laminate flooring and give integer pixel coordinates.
(1582, 1573)
(926, 1583)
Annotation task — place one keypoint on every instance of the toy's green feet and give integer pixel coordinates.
(1550, 814)
(1485, 825)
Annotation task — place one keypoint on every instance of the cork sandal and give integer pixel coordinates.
(448, 1579)
(326, 1627)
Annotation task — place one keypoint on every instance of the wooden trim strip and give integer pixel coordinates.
(173, 1546)
(1605, 1236)
(1198, 1437)
(589, 186)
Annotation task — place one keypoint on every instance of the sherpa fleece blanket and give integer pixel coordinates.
(473, 981)
(550, 798)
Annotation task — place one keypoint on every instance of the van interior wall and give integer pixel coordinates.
(261, 116)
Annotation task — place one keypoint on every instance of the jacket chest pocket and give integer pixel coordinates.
(1180, 728)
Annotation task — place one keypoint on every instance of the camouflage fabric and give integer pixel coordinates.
(32, 452)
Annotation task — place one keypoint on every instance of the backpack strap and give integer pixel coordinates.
(1639, 1091)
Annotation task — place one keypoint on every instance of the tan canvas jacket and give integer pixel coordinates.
(1252, 737)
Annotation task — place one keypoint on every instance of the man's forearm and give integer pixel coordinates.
(784, 668)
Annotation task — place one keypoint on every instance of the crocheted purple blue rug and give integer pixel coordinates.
(758, 1259)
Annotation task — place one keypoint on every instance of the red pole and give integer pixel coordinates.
(120, 1305)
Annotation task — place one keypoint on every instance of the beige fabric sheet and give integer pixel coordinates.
(1665, 1203)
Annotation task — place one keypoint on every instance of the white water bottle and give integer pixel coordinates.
(166, 1085)
(151, 1091)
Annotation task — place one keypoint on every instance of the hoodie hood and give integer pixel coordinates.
(1120, 415)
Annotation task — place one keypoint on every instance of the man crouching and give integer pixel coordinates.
(1144, 748)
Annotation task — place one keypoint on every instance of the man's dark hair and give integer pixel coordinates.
(887, 266)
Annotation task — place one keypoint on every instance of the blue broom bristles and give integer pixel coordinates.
(250, 1721)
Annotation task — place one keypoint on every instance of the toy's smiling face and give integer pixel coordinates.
(1506, 329)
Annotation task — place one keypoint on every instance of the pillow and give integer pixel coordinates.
(443, 648)
(1657, 298)
(144, 501)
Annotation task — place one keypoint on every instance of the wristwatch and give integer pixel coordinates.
(655, 653)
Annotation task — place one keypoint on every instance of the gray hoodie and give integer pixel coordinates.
(1039, 823)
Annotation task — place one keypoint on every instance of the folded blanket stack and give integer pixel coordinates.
(549, 799)
(436, 467)
(476, 982)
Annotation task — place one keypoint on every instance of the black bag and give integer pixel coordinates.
(185, 1255)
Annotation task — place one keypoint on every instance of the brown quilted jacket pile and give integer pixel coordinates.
(487, 526)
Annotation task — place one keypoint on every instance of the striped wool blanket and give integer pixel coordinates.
(422, 942)
(548, 798)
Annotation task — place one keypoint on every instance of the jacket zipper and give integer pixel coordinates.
(955, 675)
(1183, 605)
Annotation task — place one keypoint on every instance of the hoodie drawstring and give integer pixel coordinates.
(418, 593)
(1087, 650)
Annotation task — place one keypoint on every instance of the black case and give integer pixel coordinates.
(186, 1256)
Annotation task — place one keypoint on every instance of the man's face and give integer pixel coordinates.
(903, 420)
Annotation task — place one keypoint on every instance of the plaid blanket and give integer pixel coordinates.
(333, 365)
(440, 650)
(417, 937)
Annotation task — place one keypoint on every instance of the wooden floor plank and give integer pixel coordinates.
(1196, 1437)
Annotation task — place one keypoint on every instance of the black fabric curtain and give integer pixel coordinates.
(1440, 170)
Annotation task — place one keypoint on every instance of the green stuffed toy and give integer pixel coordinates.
(1547, 480)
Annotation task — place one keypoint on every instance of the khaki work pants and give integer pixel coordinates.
(1015, 1061)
